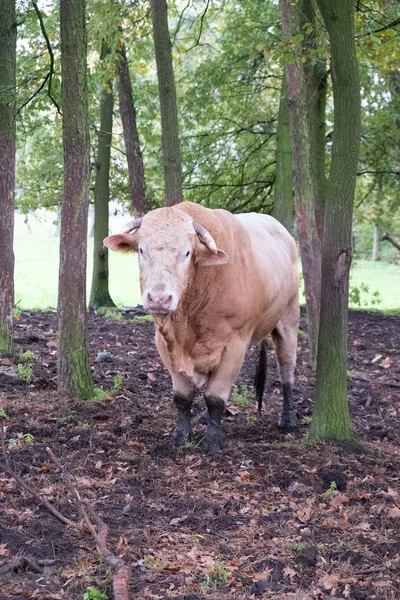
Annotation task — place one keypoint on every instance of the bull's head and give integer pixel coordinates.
(170, 246)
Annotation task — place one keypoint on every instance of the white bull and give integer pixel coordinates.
(215, 283)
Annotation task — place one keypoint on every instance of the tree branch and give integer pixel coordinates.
(389, 238)
(48, 78)
(202, 15)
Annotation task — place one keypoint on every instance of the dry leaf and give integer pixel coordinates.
(386, 363)
(289, 572)
(4, 551)
(394, 512)
(329, 581)
(338, 500)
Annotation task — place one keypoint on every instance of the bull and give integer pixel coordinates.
(216, 283)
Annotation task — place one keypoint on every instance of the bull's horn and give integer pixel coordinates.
(135, 224)
(206, 237)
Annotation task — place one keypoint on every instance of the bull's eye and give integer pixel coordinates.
(187, 253)
(141, 250)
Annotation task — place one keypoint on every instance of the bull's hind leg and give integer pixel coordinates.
(285, 341)
(183, 398)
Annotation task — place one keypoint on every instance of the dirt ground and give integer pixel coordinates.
(261, 520)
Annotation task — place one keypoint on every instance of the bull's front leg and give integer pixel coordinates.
(183, 428)
(183, 399)
(217, 392)
(212, 441)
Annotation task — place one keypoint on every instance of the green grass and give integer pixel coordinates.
(36, 275)
(381, 277)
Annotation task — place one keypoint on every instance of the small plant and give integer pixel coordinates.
(357, 295)
(118, 381)
(93, 593)
(26, 356)
(330, 492)
(251, 419)
(22, 438)
(301, 546)
(99, 395)
(110, 313)
(140, 318)
(67, 420)
(25, 374)
(240, 398)
(84, 424)
(268, 510)
(306, 420)
(3, 414)
(216, 574)
(302, 334)
(17, 313)
(191, 445)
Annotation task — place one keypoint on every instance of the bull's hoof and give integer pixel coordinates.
(212, 443)
(288, 424)
(180, 437)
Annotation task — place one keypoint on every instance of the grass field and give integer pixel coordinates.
(36, 275)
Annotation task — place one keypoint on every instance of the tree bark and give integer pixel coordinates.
(310, 248)
(8, 37)
(331, 419)
(169, 114)
(73, 370)
(283, 200)
(100, 295)
(376, 247)
(317, 85)
(131, 137)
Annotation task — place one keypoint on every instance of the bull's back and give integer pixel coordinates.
(275, 261)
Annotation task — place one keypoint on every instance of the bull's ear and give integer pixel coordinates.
(206, 258)
(122, 242)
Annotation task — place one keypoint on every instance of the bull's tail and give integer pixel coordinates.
(261, 373)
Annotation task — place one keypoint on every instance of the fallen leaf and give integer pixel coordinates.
(394, 512)
(177, 521)
(289, 572)
(4, 551)
(338, 500)
(329, 581)
(387, 363)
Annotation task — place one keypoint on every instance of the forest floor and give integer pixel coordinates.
(263, 519)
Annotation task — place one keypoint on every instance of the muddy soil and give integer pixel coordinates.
(268, 518)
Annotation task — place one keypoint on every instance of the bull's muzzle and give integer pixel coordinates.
(159, 302)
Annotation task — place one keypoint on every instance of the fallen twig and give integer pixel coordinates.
(376, 381)
(90, 518)
(99, 531)
(31, 488)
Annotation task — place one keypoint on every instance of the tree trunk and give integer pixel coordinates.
(169, 114)
(283, 200)
(8, 37)
(100, 295)
(376, 248)
(331, 419)
(131, 137)
(317, 84)
(73, 370)
(310, 249)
